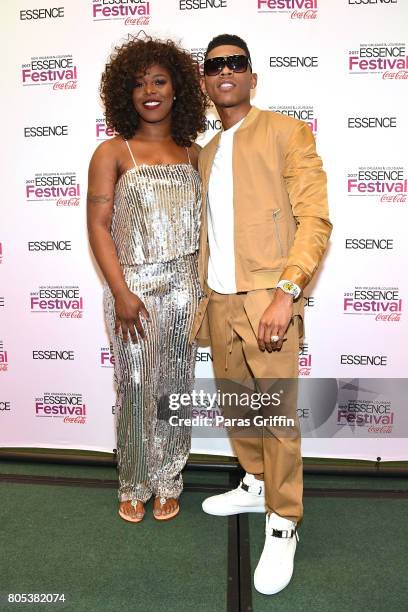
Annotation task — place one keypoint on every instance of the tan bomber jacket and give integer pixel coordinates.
(281, 219)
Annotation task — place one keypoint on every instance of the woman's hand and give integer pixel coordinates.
(129, 309)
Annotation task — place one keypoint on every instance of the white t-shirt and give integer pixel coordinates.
(220, 214)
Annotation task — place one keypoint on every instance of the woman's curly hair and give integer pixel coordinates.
(134, 57)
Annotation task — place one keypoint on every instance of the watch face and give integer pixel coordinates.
(288, 287)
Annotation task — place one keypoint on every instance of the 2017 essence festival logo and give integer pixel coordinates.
(198, 55)
(55, 71)
(70, 407)
(102, 132)
(303, 112)
(297, 9)
(4, 362)
(61, 188)
(374, 416)
(381, 303)
(106, 358)
(305, 360)
(385, 183)
(386, 60)
(130, 12)
(63, 301)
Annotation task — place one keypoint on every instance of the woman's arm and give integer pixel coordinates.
(102, 177)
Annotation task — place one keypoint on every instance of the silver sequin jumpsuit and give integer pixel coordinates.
(155, 227)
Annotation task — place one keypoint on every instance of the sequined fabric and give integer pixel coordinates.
(155, 228)
(156, 213)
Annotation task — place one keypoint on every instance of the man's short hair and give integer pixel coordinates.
(228, 39)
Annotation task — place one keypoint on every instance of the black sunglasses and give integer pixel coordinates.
(236, 63)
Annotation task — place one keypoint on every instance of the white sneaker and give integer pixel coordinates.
(249, 496)
(275, 567)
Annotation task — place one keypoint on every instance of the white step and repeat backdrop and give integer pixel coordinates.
(341, 66)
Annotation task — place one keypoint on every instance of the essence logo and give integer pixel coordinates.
(45, 130)
(364, 360)
(5, 406)
(388, 60)
(384, 304)
(294, 61)
(62, 188)
(203, 357)
(53, 355)
(213, 124)
(69, 407)
(101, 131)
(55, 12)
(370, 244)
(4, 362)
(309, 301)
(298, 9)
(305, 360)
(49, 245)
(131, 12)
(2, 301)
(65, 301)
(194, 5)
(366, 2)
(371, 122)
(303, 113)
(58, 71)
(388, 184)
(106, 359)
(376, 416)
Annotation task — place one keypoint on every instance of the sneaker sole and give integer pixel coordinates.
(239, 510)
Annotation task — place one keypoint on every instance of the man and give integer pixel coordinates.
(265, 228)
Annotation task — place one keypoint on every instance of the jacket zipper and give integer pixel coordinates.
(274, 213)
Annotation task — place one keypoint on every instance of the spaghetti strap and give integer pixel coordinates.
(131, 154)
(188, 155)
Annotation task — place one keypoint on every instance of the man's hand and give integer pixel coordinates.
(129, 308)
(275, 321)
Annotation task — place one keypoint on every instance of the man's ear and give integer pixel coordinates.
(202, 85)
(254, 80)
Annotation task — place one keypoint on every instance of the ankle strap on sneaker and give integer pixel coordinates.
(245, 487)
(285, 533)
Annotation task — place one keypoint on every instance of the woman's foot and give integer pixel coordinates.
(132, 511)
(165, 508)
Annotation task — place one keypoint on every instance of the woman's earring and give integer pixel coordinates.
(174, 97)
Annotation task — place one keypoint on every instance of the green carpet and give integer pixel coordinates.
(69, 540)
(352, 557)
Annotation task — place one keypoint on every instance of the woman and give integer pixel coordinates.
(143, 221)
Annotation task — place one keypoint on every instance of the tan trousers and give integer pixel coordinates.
(274, 452)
